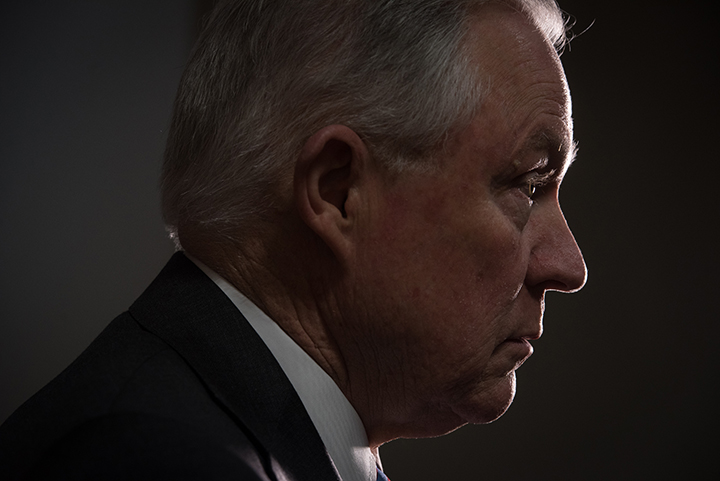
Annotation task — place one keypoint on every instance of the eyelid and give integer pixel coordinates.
(542, 178)
(535, 179)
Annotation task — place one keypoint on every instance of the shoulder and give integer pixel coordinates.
(141, 446)
(129, 398)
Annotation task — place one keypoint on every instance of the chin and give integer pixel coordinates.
(488, 403)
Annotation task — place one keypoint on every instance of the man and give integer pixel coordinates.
(366, 197)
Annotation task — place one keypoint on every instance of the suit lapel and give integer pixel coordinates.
(189, 312)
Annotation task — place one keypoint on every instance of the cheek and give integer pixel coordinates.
(436, 286)
(460, 273)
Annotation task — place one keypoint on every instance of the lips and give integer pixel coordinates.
(519, 343)
(522, 342)
(530, 334)
(519, 349)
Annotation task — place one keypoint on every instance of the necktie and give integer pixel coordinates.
(381, 476)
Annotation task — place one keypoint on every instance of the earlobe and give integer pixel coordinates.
(326, 173)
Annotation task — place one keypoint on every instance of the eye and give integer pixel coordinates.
(533, 181)
(529, 189)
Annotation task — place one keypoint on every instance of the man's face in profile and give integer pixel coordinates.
(453, 272)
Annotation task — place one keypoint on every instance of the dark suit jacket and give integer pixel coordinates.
(178, 387)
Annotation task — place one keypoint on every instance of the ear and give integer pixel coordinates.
(327, 173)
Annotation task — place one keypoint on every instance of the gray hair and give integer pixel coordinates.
(267, 74)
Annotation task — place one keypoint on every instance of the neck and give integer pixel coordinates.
(301, 289)
(279, 283)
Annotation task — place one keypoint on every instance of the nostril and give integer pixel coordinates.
(572, 277)
(554, 267)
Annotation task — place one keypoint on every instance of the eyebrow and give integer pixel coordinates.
(549, 141)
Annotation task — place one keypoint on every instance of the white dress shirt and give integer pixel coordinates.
(335, 419)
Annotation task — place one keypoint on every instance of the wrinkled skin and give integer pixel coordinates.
(447, 283)
(419, 294)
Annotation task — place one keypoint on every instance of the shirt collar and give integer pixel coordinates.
(335, 419)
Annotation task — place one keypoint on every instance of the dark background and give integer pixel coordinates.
(622, 384)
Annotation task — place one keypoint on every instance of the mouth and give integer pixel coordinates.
(518, 349)
(530, 334)
(522, 343)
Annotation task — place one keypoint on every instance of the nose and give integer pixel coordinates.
(556, 262)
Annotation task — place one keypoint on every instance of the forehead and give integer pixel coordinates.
(526, 101)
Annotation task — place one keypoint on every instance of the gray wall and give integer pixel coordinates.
(86, 90)
(622, 383)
